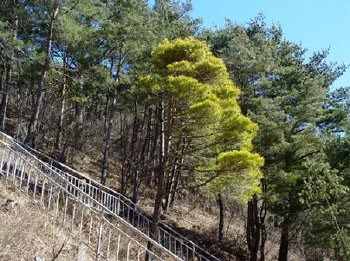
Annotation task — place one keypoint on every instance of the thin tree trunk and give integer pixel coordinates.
(161, 169)
(158, 200)
(136, 185)
(263, 211)
(133, 158)
(221, 218)
(63, 104)
(153, 151)
(107, 140)
(175, 186)
(160, 175)
(123, 186)
(33, 123)
(5, 94)
(140, 158)
(79, 107)
(253, 229)
(2, 77)
(170, 186)
(108, 134)
(284, 242)
(19, 101)
(7, 87)
(123, 148)
(173, 180)
(178, 172)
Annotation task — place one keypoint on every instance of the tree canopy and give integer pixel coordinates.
(235, 115)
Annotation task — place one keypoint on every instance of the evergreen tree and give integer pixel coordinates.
(285, 96)
(197, 108)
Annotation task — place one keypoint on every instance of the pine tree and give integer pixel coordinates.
(196, 105)
(285, 96)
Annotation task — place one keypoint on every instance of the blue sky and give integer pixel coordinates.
(316, 24)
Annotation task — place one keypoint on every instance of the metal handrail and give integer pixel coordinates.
(71, 189)
(166, 236)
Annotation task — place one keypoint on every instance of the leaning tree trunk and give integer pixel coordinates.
(33, 123)
(170, 185)
(174, 177)
(178, 173)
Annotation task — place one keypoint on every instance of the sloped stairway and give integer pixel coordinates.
(116, 229)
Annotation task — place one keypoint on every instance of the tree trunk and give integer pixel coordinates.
(63, 104)
(172, 196)
(107, 140)
(157, 210)
(5, 94)
(79, 107)
(178, 173)
(19, 102)
(158, 201)
(134, 151)
(136, 185)
(221, 218)
(123, 143)
(170, 185)
(108, 134)
(153, 151)
(284, 242)
(2, 77)
(142, 141)
(160, 175)
(7, 87)
(263, 211)
(33, 123)
(253, 229)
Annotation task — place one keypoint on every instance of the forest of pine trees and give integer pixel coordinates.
(239, 114)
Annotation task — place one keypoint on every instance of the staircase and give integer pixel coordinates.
(115, 228)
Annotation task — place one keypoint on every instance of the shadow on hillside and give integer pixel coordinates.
(229, 250)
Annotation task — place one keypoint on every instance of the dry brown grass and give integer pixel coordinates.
(194, 215)
(27, 231)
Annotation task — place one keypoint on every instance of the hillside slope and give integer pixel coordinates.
(27, 232)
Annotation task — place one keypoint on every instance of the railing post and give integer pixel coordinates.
(118, 205)
(2, 157)
(74, 188)
(8, 165)
(99, 239)
(193, 251)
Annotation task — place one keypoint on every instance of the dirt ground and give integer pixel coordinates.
(27, 232)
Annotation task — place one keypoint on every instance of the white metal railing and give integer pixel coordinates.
(108, 235)
(117, 204)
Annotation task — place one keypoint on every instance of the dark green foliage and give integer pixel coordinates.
(90, 91)
(286, 96)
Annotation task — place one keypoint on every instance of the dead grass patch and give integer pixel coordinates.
(27, 231)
